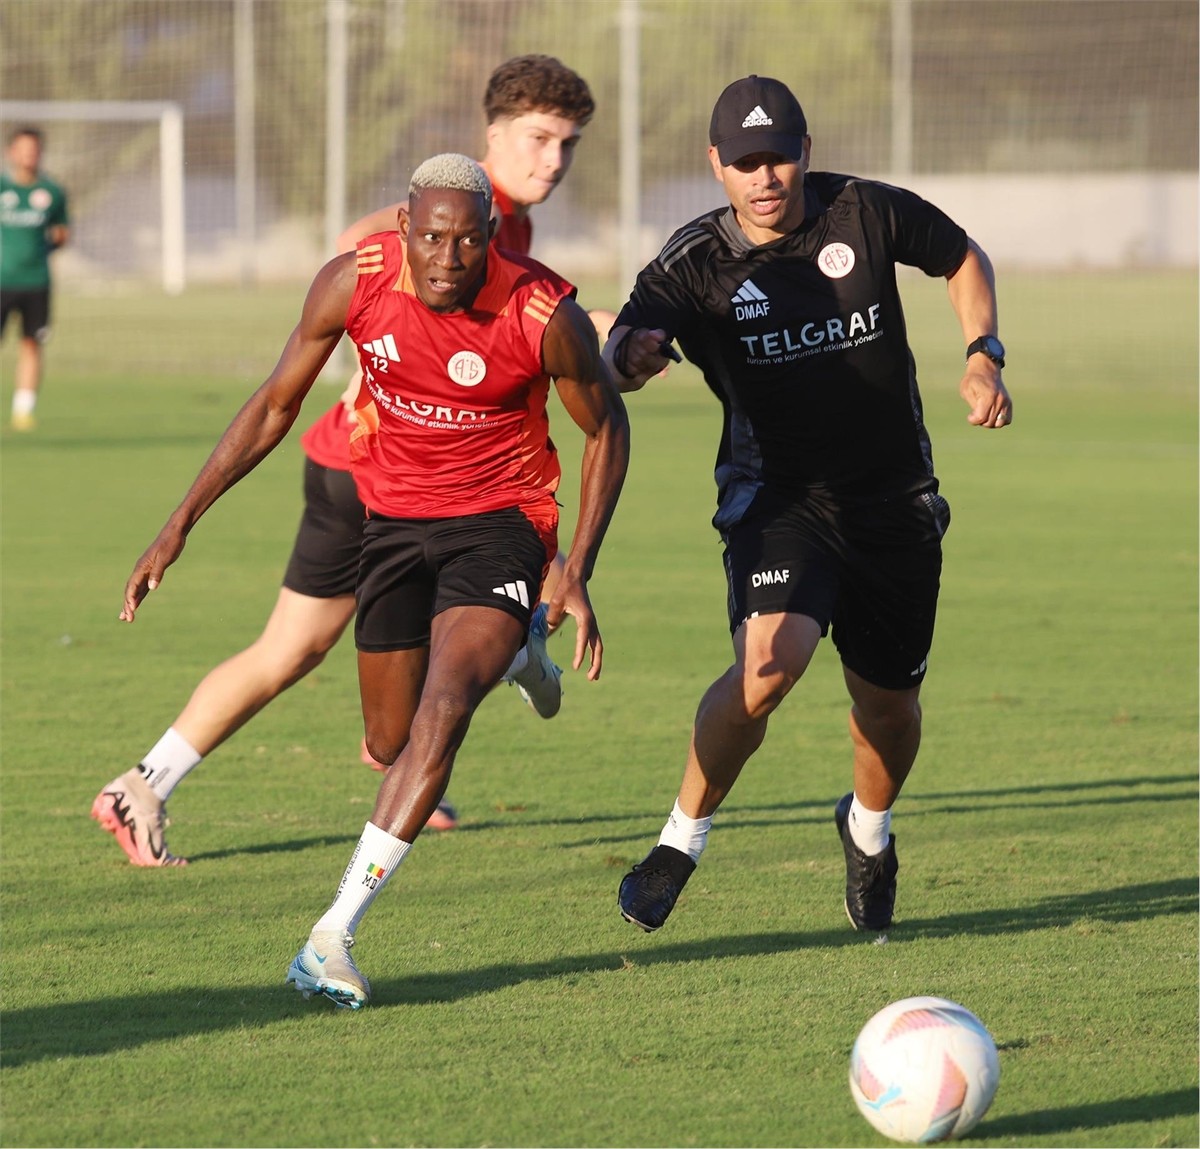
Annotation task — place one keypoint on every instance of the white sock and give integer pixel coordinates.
(23, 402)
(870, 829)
(688, 835)
(168, 763)
(375, 857)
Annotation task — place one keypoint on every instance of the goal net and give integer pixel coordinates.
(123, 161)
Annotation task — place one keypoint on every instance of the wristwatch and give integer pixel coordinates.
(990, 346)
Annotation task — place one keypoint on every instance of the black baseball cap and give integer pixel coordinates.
(757, 114)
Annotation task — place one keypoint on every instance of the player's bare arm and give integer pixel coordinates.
(571, 355)
(258, 427)
(635, 355)
(972, 291)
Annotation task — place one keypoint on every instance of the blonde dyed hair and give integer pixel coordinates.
(454, 172)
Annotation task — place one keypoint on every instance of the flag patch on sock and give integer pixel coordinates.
(374, 870)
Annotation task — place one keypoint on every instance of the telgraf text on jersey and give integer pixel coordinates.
(814, 334)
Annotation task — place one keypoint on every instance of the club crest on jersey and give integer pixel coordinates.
(836, 260)
(466, 368)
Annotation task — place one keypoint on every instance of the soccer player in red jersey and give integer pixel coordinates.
(458, 343)
(536, 109)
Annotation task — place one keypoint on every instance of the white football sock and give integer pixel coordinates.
(375, 857)
(23, 402)
(168, 763)
(686, 834)
(870, 829)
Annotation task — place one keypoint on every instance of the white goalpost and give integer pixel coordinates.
(169, 116)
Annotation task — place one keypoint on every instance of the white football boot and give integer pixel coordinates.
(324, 967)
(540, 682)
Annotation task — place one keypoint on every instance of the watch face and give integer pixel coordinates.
(993, 347)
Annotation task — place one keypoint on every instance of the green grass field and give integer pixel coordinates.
(1047, 838)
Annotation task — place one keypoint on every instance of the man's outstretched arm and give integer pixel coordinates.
(258, 427)
(585, 386)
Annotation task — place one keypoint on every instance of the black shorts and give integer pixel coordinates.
(34, 309)
(412, 569)
(873, 572)
(324, 562)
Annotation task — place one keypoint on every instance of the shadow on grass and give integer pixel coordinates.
(293, 845)
(127, 1020)
(735, 816)
(1120, 904)
(1149, 1107)
(1060, 787)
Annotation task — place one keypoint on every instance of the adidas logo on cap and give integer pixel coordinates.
(774, 123)
(757, 118)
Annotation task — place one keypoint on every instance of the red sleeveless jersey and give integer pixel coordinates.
(327, 441)
(451, 418)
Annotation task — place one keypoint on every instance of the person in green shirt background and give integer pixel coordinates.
(33, 223)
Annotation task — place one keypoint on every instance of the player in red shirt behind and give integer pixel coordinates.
(451, 454)
(536, 109)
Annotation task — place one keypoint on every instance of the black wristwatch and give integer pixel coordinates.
(990, 346)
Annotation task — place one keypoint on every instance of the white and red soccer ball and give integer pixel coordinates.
(924, 1069)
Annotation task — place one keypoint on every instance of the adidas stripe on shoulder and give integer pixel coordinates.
(683, 241)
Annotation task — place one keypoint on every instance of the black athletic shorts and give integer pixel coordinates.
(872, 571)
(412, 569)
(34, 309)
(324, 562)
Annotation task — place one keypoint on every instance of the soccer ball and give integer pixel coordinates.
(924, 1069)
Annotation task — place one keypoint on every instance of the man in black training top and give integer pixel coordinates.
(827, 502)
